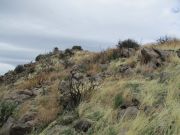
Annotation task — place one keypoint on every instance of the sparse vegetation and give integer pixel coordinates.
(6, 110)
(165, 40)
(78, 48)
(118, 100)
(75, 88)
(129, 43)
(103, 93)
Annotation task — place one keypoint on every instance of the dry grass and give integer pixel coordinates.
(25, 107)
(48, 105)
(165, 119)
(172, 45)
(40, 80)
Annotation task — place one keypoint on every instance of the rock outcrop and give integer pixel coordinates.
(154, 58)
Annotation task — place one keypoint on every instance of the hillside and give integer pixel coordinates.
(120, 91)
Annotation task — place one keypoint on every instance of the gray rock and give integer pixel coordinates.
(20, 129)
(26, 92)
(17, 98)
(128, 113)
(125, 70)
(82, 125)
(28, 117)
(12, 127)
(154, 58)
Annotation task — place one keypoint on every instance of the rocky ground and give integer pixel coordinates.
(120, 91)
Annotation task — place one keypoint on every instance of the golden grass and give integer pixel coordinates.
(172, 45)
(40, 79)
(164, 120)
(48, 105)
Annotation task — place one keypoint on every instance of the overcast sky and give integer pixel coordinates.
(30, 27)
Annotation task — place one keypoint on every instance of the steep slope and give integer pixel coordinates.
(119, 91)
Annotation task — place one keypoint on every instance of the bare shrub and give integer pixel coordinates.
(75, 88)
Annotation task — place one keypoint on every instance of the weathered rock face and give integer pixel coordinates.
(20, 96)
(154, 58)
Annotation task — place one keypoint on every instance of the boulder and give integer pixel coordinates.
(12, 127)
(29, 116)
(154, 58)
(82, 125)
(18, 97)
(127, 52)
(128, 113)
(26, 92)
(125, 70)
(20, 129)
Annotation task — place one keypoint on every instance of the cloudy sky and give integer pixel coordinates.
(30, 27)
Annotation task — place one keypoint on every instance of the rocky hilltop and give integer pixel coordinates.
(128, 90)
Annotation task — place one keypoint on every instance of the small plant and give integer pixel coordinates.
(79, 48)
(129, 43)
(19, 69)
(112, 131)
(6, 110)
(118, 101)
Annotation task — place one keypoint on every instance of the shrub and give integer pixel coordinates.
(75, 88)
(129, 43)
(39, 57)
(118, 100)
(68, 52)
(79, 48)
(19, 69)
(6, 110)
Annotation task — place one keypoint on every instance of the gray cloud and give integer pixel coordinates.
(28, 28)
